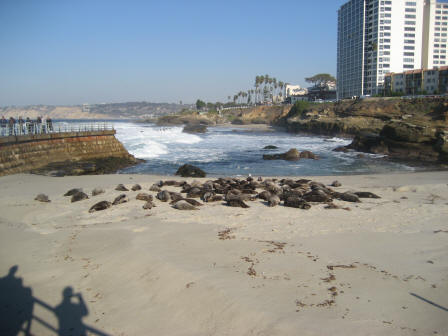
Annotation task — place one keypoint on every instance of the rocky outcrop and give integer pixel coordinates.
(405, 141)
(292, 155)
(71, 153)
(190, 171)
(194, 128)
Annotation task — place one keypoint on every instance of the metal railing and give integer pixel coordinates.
(50, 128)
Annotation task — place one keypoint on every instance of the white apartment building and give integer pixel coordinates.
(435, 34)
(376, 37)
(294, 90)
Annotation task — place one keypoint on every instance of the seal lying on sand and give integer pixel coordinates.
(236, 202)
(71, 192)
(100, 206)
(295, 202)
(144, 197)
(79, 196)
(184, 205)
(42, 198)
(366, 194)
(97, 191)
(120, 199)
(164, 196)
(136, 187)
(121, 187)
(148, 205)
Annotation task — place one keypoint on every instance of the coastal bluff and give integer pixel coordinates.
(76, 153)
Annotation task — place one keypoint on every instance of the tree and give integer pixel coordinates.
(321, 80)
(200, 104)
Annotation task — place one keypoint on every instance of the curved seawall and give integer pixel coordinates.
(27, 152)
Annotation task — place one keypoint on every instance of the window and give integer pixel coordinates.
(410, 29)
(409, 35)
(410, 10)
(408, 54)
(408, 60)
(408, 66)
(409, 16)
(411, 3)
(409, 48)
(409, 41)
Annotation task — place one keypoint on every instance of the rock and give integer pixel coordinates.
(407, 132)
(336, 184)
(292, 155)
(97, 191)
(120, 199)
(42, 198)
(308, 155)
(71, 192)
(190, 171)
(100, 206)
(136, 187)
(341, 149)
(144, 197)
(184, 205)
(270, 147)
(79, 196)
(121, 187)
(366, 194)
(194, 128)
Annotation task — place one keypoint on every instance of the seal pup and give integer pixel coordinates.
(136, 187)
(336, 184)
(184, 205)
(42, 198)
(148, 205)
(71, 192)
(144, 197)
(264, 195)
(79, 196)
(121, 187)
(97, 191)
(100, 206)
(174, 196)
(120, 199)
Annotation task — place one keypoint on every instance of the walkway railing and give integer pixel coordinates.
(49, 128)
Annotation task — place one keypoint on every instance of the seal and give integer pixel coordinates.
(295, 202)
(366, 194)
(264, 195)
(348, 197)
(42, 198)
(184, 205)
(79, 196)
(120, 199)
(164, 196)
(155, 188)
(121, 187)
(193, 201)
(71, 192)
(148, 205)
(100, 206)
(97, 191)
(144, 197)
(336, 184)
(236, 202)
(174, 196)
(136, 187)
(273, 201)
(317, 195)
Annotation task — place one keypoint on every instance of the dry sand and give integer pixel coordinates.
(167, 272)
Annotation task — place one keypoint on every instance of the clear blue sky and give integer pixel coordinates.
(91, 51)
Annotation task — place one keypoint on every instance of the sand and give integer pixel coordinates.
(380, 268)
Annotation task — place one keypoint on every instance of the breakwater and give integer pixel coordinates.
(25, 153)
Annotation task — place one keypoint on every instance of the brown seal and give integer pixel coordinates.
(100, 206)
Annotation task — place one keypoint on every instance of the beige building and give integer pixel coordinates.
(435, 33)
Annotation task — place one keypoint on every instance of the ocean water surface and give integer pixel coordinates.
(238, 151)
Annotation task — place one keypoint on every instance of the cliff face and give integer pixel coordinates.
(35, 152)
(413, 129)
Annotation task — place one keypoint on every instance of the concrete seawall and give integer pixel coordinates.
(27, 152)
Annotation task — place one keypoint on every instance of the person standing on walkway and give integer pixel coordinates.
(3, 123)
(39, 125)
(21, 122)
(11, 125)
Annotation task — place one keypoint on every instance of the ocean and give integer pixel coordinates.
(238, 151)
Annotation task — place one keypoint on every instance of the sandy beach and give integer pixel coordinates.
(379, 267)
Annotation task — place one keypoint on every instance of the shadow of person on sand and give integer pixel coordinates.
(70, 313)
(16, 305)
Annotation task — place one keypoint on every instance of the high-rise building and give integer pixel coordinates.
(376, 37)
